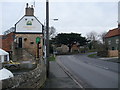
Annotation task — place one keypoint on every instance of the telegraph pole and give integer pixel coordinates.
(47, 37)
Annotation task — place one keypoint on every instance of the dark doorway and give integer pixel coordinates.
(20, 43)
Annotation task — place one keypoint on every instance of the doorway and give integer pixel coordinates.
(20, 42)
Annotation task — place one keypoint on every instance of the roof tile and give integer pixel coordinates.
(113, 32)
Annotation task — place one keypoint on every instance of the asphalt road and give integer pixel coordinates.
(90, 72)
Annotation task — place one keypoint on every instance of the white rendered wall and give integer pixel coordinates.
(119, 12)
(22, 26)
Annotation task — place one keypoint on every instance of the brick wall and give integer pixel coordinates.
(74, 48)
(7, 41)
(29, 42)
(113, 53)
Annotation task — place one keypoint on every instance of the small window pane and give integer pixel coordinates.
(117, 41)
(0, 59)
(113, 48)
(5, 58)
(109, 42)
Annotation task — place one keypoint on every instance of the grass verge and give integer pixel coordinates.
(92, 55)
(52, 58)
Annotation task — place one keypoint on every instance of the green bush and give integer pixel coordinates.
(52, 58)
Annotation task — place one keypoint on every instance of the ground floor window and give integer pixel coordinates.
(113, 48)
(5, 58)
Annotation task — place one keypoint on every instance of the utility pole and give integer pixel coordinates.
(47, 37)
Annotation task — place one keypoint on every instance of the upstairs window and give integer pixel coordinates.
(117, 41)
(109, 42)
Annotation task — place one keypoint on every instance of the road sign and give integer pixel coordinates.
(38, 40)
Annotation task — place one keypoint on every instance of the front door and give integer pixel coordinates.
(20, 43)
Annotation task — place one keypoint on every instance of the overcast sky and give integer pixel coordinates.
(78, 16)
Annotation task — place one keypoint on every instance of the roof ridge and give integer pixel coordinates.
(113, 32)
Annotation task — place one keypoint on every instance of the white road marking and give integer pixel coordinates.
(98, 66)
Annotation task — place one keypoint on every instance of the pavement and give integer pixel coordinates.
(58, 78)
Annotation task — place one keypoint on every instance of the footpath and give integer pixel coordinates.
(58, 78)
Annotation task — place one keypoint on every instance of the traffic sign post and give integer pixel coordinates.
(38, 42)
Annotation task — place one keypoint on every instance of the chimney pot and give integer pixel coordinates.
(27, 5)
(29, 11)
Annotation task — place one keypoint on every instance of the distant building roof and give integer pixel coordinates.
(6, 41)
(113, 32)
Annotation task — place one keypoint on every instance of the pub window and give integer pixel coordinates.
(5, 58)
(25, 39)
(31, 42)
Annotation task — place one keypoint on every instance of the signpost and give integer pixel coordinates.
(47, 37)
(38, 42)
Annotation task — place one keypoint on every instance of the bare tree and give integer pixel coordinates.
(102, 37)
(93, 38)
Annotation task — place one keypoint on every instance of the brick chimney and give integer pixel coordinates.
(29, 11)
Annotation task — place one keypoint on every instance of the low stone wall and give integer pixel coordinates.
(31, 79)
(113, 53)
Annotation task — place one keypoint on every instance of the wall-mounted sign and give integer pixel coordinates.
(38, 40)
(29, 23)
(26, 24)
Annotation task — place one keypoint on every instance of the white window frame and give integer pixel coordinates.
(5, 58)
(117, 41)
(109, 42)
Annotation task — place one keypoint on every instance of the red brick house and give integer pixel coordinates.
(112, 40)
(75, 48)
(6, 41)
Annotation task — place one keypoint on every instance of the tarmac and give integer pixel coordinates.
(58, 78)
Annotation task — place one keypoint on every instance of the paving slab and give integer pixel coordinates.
(58, 78)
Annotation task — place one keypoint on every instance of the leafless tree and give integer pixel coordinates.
(93, 36)
(102, 37)
(97, 41)
(94, 39)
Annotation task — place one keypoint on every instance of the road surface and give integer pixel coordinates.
(90, 72)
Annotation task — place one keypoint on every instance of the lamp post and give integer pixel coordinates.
(47, 38)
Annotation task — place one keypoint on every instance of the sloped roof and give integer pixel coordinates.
(2, 52)
(113, 32)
